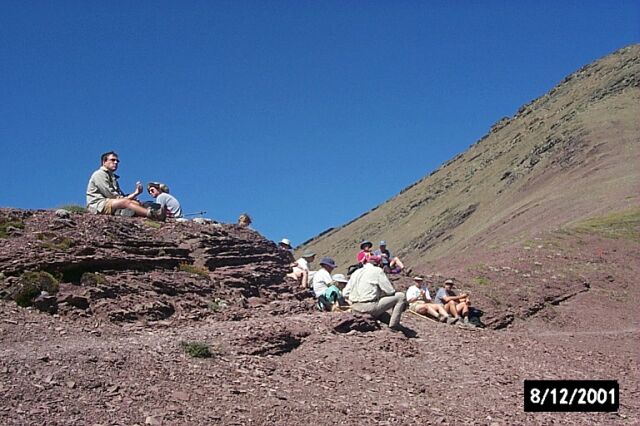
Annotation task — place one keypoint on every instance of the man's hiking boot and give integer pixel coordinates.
(158, 214)
(443, 318)
(452, 320)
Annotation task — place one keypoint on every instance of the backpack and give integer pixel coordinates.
(354, 268)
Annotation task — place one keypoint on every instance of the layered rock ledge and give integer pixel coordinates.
(131, 269)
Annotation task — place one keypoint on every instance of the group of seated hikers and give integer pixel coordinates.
(368, 290)
(104, 195)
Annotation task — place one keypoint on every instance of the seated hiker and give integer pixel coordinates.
(370, 292)
(334, 292)
(160, 192)
(365, 252)
(301, 269)
(321, 282)
(104, 195)
(285, 245)
(420, 302)
(244, 220)
(389, 263)
(457, 306)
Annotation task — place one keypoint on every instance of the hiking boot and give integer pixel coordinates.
(452, 320)
(443, 318)
(395, 328)
(158, 214)
(465, 320)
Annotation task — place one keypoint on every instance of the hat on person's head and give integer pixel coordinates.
(365, 243)
(448, 282)
(340, 278)
(418, 279)
(375, 260)
(308, 253)
(383, 243)
(286, 242)
(327, 261)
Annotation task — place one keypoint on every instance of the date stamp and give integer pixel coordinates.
(571, 395)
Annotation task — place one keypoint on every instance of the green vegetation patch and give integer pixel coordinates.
(624, 224)
(482, 280)
(193, 269)
(74, 208)
(197, 349)
(93, 279)
(217, 305)
(7, 224)
(54, 242)
(32, 284)
(152, 224)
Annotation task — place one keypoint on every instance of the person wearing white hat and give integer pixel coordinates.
(456, 305)
(420, 302)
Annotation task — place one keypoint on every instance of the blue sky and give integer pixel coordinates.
(303, 113)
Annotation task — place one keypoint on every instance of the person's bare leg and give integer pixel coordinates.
(125, 203)
(396, 263)
(440, 310)
(304, 279)
(451, 308)
(465, 309)
(427, 309)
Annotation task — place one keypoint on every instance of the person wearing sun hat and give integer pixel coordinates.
(370, 292)
(457, 306)
(365, 252)
(419, 300)
(322, 278)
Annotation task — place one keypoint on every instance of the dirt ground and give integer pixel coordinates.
(274, 368)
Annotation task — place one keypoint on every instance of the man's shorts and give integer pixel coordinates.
(108, 207)
(417, 304)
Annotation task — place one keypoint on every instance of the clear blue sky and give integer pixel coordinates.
(303, 113)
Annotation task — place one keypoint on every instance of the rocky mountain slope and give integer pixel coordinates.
(123, 321)
(568, 155)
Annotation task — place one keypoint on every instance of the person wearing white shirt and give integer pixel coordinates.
(420, 302)
(301, 269)
(322, 278)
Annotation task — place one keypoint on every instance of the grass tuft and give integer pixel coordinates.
(152, 224)
(197, 349)
(31, 284)
(6, 225)
(193, 269)
(74, 208)
(217, 305)
(482, 280)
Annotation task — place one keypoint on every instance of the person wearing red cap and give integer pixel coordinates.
(370, 292)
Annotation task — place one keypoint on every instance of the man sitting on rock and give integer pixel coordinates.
(104, 195)
(301, 271)
(420, 302)
(370, 292)
(457, 306)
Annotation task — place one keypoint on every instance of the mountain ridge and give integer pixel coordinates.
(568, 146)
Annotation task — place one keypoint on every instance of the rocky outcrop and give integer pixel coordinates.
(131, 268)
